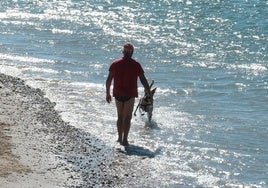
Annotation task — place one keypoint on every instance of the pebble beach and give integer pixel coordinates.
(39, 149)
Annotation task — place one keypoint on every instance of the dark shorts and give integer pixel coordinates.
(122, 99)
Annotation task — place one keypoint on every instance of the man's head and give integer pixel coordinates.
(128, 50)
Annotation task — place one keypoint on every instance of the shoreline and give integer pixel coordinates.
(40, 149)
(45, 151)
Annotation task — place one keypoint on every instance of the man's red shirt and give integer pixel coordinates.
(125, 72)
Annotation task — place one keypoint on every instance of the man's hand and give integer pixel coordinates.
(108, 98)
(108, 85)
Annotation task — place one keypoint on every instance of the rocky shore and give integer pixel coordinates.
(39, 149)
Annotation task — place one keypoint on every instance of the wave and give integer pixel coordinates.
(250, 68)
(29, 59)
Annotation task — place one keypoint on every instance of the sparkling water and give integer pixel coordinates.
(208, 59)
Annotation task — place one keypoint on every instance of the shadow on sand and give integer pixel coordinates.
(152, 125)
(134, 150)
(139, 151)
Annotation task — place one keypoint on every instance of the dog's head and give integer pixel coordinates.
(152, 91)
(146, 99)
(149, 107)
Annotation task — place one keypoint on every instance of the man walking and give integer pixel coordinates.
(125, 72)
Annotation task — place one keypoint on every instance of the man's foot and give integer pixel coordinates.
(119, 140)
(125, 143)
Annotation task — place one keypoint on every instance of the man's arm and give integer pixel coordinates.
(108, 86)
(145, 84)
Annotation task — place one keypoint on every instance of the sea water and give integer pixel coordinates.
(208, 59)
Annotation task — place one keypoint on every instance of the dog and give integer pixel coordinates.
(145, 104)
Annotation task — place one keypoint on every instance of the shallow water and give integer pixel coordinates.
(208, 60)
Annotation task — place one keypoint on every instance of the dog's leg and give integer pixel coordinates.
(137, 107)
(141, 108)
(150, 112)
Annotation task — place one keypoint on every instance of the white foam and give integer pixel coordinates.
(9, 70)
(25, 58)
(64, 31)
(253, 68)
(160, 91)
(44, 70)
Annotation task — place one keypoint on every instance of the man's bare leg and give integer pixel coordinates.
(119, 107)
(127, 111)
(124, 113)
